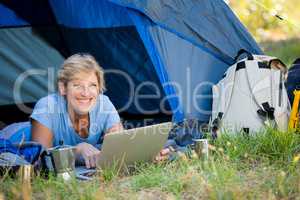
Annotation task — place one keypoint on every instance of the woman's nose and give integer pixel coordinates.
(85, 91)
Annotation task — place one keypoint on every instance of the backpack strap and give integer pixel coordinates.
(259, 75)
(225, 89)
(267, 113)
(229, 82)
(272, 62)
(259, 80)
(216, 124)
(241, 52)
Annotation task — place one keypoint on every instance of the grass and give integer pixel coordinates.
(263, 166)
(286, 50)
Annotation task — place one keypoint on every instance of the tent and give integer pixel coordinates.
(159, 56)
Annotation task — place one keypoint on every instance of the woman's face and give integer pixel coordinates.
(81, 92)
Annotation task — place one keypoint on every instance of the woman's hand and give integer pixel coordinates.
(163, 155)
(115, 128)
(89, 153)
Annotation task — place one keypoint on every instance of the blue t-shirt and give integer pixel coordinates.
(51, 111)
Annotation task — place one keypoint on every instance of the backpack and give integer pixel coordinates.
(250, 95)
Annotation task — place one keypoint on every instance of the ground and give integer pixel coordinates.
(265, 166)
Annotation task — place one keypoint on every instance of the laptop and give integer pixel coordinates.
(125, 148)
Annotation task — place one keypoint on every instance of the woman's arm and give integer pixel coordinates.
(115, 128)
(41, 134)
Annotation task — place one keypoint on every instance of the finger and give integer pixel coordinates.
(94, 149)
(94, 157)
(164, 151)
(162, 158)
(89, 155)
(156, 159)
(87, 161)
(93, 161)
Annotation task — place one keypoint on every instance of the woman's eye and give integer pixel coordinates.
(93, 85)
(77, 86)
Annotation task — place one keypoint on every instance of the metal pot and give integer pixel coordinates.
(61, 160)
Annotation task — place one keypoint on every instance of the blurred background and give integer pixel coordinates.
(275, 24)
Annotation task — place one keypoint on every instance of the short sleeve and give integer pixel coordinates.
(112, 116)
(44, 111)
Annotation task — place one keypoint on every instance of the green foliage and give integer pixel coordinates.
(287, 50)
(264, 166)
(160, 176)
(271, 147)
(259, 16)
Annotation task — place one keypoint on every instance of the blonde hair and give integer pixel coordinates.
(81, 63)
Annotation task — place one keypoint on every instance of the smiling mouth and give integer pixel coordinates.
(84, 101)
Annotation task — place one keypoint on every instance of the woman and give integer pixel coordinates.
(79, 114)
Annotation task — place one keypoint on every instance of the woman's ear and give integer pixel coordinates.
(62, 88)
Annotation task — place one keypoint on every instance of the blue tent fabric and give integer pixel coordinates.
(180, 48)
(205, 23)
(27, 63)
(189, 75)
(143, 26)
(15, 13)
(97, 14)
(10, 19)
